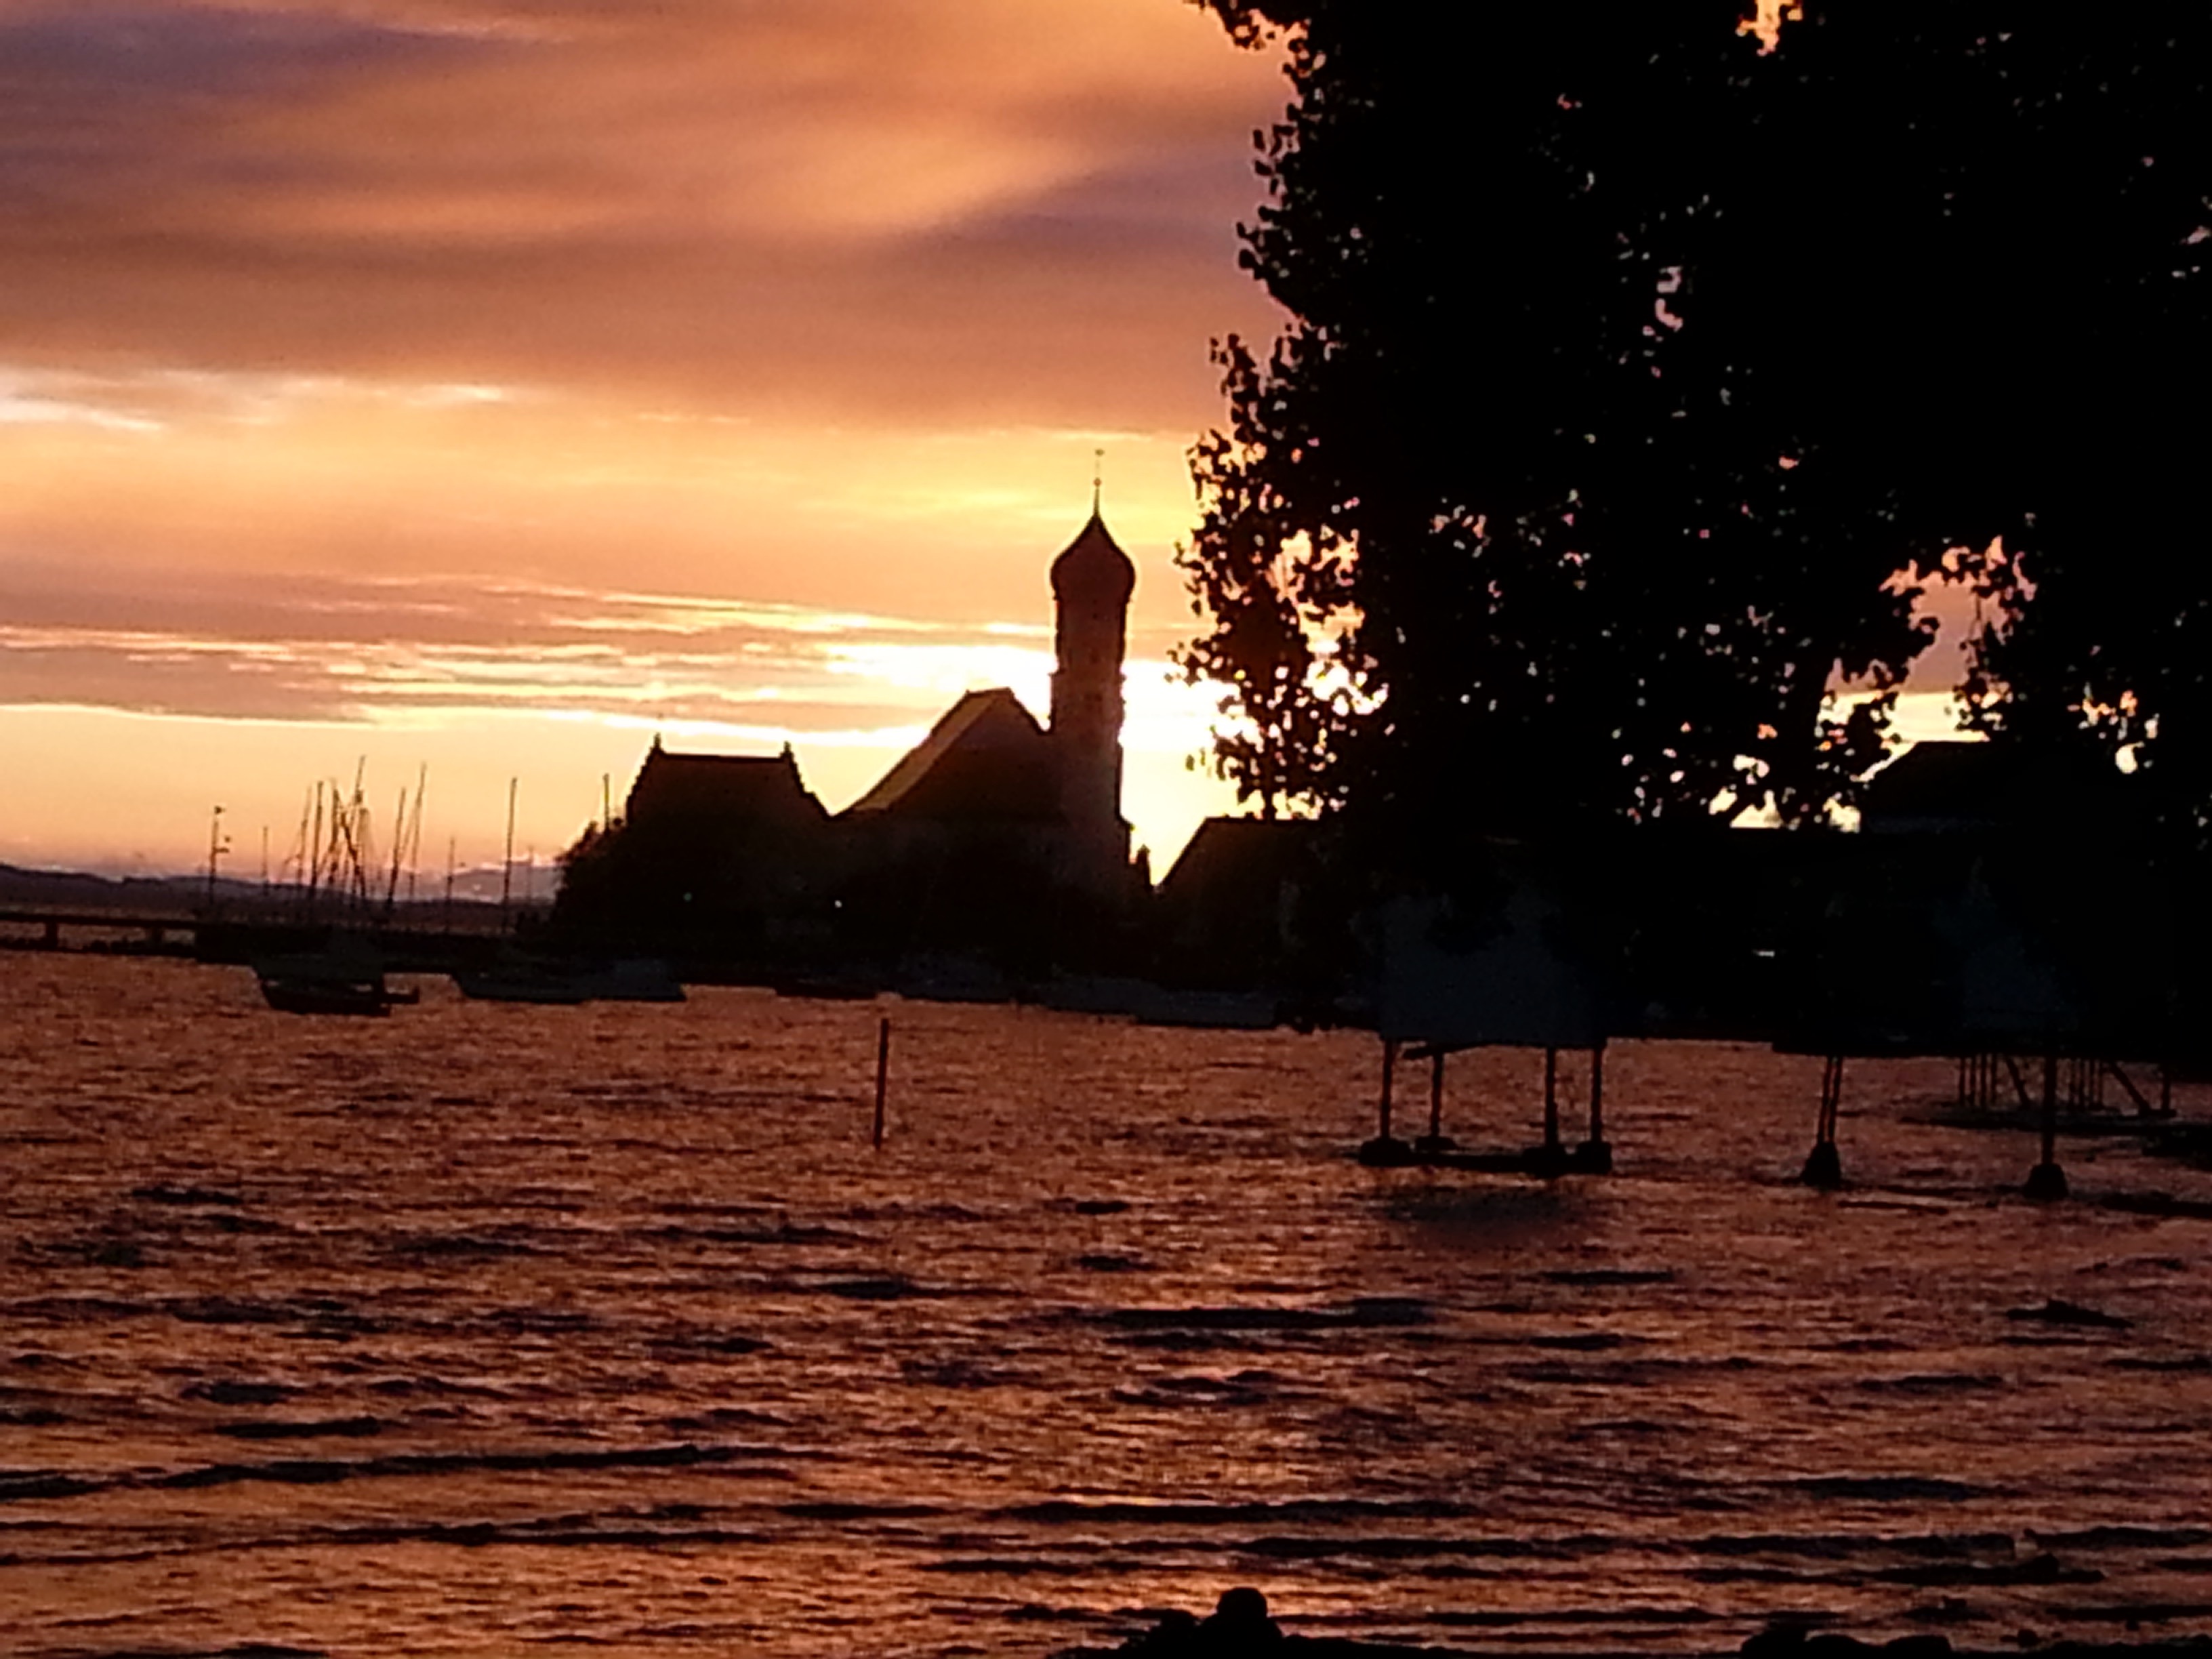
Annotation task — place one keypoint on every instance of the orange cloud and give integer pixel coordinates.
(362, 362)
(951, 207)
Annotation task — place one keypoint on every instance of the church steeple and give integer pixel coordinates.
(1092, 582)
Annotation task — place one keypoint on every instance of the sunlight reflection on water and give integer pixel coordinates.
(486, 1327)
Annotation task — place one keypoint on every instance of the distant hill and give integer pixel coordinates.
(74, 890)
(180, 895)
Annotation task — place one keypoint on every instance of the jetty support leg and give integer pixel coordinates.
(1550, 1159)
(1386, 1150)
(2143, 1108)
(1435, 1140)
(2046, 1180)
(1823, 1165)
(1593, 1156)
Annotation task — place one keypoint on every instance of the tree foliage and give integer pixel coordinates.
(1248, 573)
(1629, 363)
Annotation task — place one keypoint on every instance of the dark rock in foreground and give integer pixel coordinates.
(1239, 1628)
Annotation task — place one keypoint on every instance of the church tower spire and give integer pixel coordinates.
(1092, 583)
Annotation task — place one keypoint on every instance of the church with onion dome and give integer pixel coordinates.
(993, 826)
(995, 838)
(987, 763)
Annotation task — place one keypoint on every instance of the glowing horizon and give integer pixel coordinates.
(487, 384)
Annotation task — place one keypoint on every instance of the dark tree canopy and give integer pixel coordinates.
(1629, 364)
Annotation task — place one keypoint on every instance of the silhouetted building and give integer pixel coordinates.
(715, 855)
(1249, 903)
(739, 797)
(1959, 787)
(1092, 583)
(985, 760)
(995, 838)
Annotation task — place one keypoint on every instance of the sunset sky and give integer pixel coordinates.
(487, 384)
(490, 384)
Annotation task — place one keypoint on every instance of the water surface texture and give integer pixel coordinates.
(492, 1329)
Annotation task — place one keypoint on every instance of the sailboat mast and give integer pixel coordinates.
(507, 870)
(314, 859)
(415, 828)
(398, 849)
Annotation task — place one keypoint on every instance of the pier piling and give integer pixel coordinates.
(1593, 1156)
(1435, 1140)
(1823, 1164)
(1551, 1102)
(1386, 1150)
(2046, 1180)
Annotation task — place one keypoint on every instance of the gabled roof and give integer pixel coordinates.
(704, 790)
(1241, 860)
(1943, 779)
(986, 759)
(1959, 785)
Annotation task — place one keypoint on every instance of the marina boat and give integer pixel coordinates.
(566, 984)
(346, 979)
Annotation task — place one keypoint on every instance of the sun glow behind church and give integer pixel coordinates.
(218, 598)
(487, 385)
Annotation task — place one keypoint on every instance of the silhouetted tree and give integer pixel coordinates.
(1633, 370)
(1280, 725)
(1987, 292)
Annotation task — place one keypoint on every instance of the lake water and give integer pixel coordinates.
(486, 1330)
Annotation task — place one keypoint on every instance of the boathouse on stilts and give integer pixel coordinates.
(2042, 974)
(1503, 961)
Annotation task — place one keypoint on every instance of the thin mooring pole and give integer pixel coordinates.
(1597, 1095)
(1389, 1066)
(1437, 1096)
(883, 1072)
(1551, 1100)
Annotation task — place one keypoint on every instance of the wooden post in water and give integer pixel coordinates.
(883, 1072)
(2047, 1179)
(1551, 1102)
(1382, 1106)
